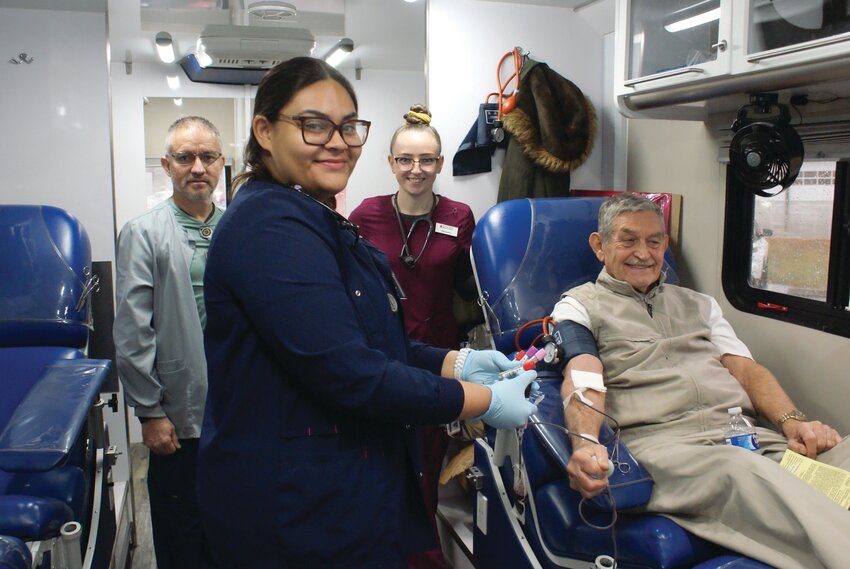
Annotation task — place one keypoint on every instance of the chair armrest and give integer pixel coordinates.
(630, 484)
(41, 431)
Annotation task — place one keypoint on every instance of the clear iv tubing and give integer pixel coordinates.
(601, 561)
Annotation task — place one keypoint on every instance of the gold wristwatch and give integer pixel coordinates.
(795, 414)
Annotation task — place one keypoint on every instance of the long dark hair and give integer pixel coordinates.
(276, 89)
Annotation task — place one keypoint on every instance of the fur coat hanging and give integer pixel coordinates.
(551, 132)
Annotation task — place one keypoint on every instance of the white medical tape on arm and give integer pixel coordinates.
(588, 380)
(578, 393)
(583, 380)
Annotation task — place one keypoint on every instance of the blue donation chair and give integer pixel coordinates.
(525, 254)
(55, 492)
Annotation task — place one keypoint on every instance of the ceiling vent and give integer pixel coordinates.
(251, 46)
(242, 54)
(272, 10)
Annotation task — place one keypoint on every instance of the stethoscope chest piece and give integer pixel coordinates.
(406, 256)
(408, 261)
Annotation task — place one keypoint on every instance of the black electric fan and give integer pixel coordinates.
(765, 155)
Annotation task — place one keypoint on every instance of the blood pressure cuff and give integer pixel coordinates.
(573, 339)
(475, 153)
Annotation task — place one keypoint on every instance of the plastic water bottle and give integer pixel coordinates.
(739, 431)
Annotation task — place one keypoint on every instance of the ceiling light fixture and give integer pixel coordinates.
(204, 59)
(165, 47)
(339, 51)
(693, 16)
(173, 82)
(271, 10)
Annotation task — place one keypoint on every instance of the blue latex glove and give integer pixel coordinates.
(509, 409)
(483, 366)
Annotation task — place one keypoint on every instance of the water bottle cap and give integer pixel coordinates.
(734, 410)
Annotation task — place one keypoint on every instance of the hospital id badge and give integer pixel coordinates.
(449, 230)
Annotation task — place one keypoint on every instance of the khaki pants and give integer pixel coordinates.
(746, 502)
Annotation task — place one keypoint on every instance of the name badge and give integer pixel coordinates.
(449, 230)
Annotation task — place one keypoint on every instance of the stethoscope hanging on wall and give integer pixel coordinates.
(406, 256)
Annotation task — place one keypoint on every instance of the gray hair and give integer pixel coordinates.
(617, 205)
(189, 121)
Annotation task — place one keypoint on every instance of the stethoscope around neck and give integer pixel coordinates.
(406, 256)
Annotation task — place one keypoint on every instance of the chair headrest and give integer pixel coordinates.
(43, 277)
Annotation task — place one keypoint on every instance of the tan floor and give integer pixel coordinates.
(143, 555)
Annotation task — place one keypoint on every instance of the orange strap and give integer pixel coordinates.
(506, 102)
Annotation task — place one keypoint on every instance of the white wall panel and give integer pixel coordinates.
(466, 39)
(384, 96)
(55, 117)
(681, 157)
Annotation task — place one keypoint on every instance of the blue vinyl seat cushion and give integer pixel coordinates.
(32, 518)
(642, 539)
(22, 366)
(14, 554)
(44, 426)
(732, 562)
(47, 386)
(66, 484)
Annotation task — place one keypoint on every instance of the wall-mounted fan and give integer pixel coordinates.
(765, 154)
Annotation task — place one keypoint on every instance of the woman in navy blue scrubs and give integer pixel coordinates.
(307, 455)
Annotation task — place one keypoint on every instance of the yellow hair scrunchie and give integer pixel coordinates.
(421, 116)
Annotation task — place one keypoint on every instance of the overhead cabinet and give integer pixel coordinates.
(672, 54)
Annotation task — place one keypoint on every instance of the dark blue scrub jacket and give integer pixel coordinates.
(307, 455)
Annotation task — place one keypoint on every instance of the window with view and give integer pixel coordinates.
(788, 256)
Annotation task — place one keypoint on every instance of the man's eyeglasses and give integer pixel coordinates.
(188, 158)
(317, 131)
(406, 163)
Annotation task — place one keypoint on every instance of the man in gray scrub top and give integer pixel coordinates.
(158, 332)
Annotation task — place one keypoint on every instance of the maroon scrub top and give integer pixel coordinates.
(429, 286)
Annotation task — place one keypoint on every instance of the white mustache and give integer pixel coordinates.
(641, 264)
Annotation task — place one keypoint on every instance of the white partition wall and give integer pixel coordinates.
(384, 96)
(55, 117)
(466, 39)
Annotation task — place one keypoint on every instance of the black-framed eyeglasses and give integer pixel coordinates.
(188, 158)
(406, 162)
(318, 131)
